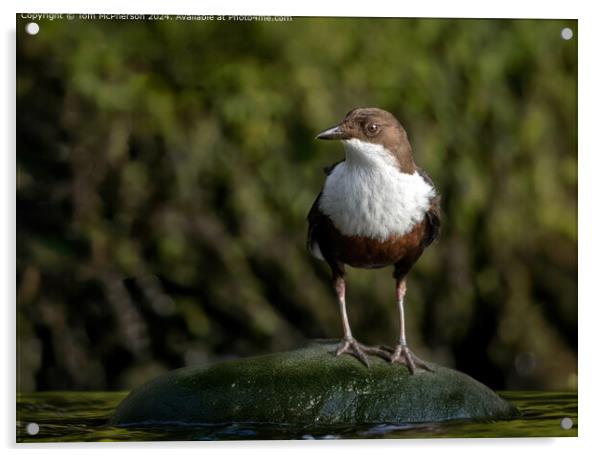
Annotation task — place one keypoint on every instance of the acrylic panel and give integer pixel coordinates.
(271, 227)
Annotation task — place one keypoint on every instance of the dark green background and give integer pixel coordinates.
(164, 171)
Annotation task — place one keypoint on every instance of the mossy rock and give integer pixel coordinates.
(309, 386)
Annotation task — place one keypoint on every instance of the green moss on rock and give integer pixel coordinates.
(309, 386)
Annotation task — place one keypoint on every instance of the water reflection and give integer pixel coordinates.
(66, 416)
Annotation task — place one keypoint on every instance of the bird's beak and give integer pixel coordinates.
(333, 133)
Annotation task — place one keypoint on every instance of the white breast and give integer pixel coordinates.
(367, 195)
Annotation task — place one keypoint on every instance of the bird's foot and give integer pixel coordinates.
(402, 354)
(360, 352)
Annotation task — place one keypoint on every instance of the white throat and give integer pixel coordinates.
(367, 194)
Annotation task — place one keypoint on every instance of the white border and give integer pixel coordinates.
(440, 8)
(590, 78)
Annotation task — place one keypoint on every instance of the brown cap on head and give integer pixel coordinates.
(377, 126)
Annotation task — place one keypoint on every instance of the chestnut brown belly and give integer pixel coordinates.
(364, 252)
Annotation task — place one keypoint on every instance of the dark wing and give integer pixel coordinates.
(328, 169)
(433, 215)
(314, 216)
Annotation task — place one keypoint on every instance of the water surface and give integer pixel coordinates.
(83, 416)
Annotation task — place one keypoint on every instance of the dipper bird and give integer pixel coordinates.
(376, 209)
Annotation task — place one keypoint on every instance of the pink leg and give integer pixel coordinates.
(339, 286)
(400, 292)
(402, 353)
(349, 345)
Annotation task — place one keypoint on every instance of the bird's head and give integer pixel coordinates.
(371, 136)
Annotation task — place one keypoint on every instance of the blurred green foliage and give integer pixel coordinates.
(164, 171)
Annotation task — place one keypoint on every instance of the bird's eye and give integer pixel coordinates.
(372, 129)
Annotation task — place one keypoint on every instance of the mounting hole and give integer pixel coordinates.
(566, 423)
(566, 33)
(32, 28)
(32, 428)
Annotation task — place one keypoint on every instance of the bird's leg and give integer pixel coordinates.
(402, 353)
(349, 345)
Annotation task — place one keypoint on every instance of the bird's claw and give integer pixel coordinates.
(403, 354)
(359, 351)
